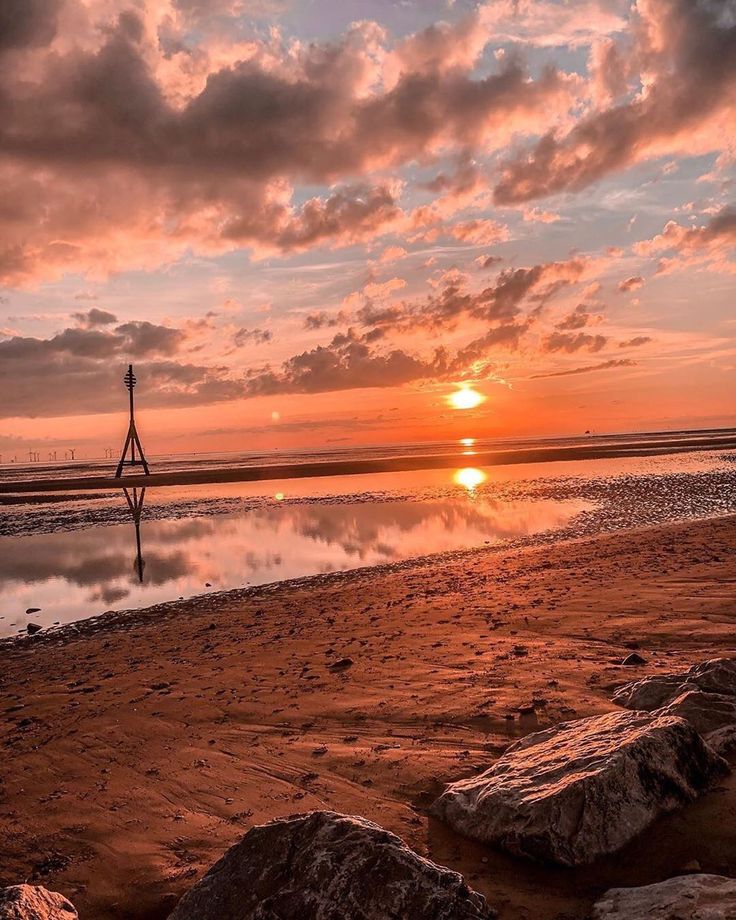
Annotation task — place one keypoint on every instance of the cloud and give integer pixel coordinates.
(244, 336)
(324, 320)
(631, 284)
(571, 342)
(211, 143)
(586, 369)
(480, 231)
(710, 244)
(685, 52)
(578, 319)
(27, 23)
(346, 363)
(392, 254)
(94, 317)
(636, 342)
(79, 370)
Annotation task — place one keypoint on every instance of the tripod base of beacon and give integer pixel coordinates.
(132, 441)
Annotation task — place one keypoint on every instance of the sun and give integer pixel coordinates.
(465, 398)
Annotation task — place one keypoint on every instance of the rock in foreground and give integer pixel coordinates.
(715, 676)
(691, 897)
(583, 789)
(705, 695)
(326, 866)
(30, 902)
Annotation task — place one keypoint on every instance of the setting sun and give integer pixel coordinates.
(465, 398)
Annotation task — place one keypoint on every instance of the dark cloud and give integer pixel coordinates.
(94, 317)
(631, 284)
(244, 336)
(213, 169)
(604, 366)
(50, 385)
(500, 302)
(578, 319)
(79, 371)
(27, 23)
(324, 320)
(574, 341)
(347, 363)
(635, 342)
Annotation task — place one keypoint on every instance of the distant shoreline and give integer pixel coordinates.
(352, 466)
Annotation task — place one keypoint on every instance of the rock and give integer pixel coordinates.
(706, 712)
(633, 659)
(32, 628)
(692, 897)
(723, 741)
(33, 610)
(705, 695)
(30, 902)
(326, 866)
(715, 676)
(341, 664)
(583, 789)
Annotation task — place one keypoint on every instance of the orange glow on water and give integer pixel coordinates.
(469, 478)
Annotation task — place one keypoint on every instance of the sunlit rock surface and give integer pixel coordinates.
(690, 897)
(31, 902)
(326, 866)
(705, 695)
(583, 789)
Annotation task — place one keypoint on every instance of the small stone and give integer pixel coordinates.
(341, 664)
(32, 628)
(633, 659)
(33, 610)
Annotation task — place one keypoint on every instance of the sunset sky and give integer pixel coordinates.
(309, 223)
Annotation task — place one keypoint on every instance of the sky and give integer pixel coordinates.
(310, 223)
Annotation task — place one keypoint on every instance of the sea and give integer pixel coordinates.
(66, 556)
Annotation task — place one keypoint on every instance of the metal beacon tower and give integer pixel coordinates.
(132, 440)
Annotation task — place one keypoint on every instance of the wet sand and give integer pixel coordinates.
(595, 450)
(136, 748)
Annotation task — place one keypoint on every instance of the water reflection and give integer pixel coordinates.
(77, 573)
(135, 499)
(469, 478)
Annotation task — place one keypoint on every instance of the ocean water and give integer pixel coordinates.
(68, 556)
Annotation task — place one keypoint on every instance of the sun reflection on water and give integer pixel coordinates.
(469, 478)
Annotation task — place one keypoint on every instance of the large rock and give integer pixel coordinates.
(691, 897)
(29, 902)
(715, 676)
(325, 866)
(705, 695)
(583, 789)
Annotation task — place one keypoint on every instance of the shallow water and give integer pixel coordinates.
(76, 557)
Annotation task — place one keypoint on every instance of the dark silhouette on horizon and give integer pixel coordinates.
(132, 440)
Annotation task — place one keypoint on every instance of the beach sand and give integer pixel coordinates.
(136, 748)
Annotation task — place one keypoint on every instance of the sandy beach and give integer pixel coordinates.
(137, 747)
